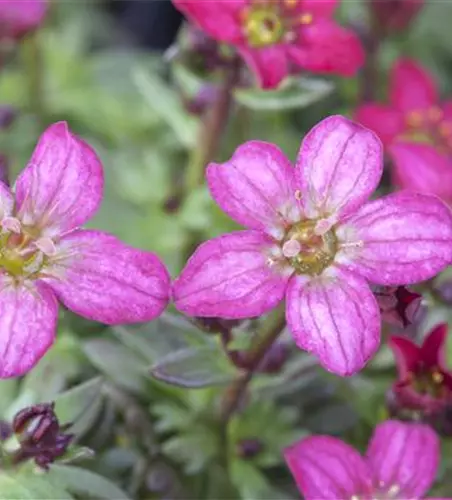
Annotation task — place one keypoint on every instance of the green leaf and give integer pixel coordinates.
(122, 365)
(80, 405)
(167, 104)
(295, 93)
(194, 367)
(28, 484)
(84, 482)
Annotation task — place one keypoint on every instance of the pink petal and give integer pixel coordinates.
(447, 110)
(326, 47)
(19, 17)
(6, 201)
(61, 188)
(218, 18)
(99, 277)
(404, 457)
(326, 468)
(229, 277)
(255, 187)
(419, 167)
(385, 121)
(400, 239)
(339, 165)
(407, 355)
(269, 64)
(325, 8)
(335, 317)
(28, 318)
(412, 88)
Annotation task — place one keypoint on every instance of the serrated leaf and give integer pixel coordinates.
(194, 367)
(83, 482)
(122, 365)
(295, 93)
(80, 405)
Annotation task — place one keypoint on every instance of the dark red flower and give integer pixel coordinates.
(40, 435)
(395, 14)
(424, 382)
(398, 305)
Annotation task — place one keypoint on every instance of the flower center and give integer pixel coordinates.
(18, 256)
(430, 382)
(307, 251)
(429, 127)
(263, 26)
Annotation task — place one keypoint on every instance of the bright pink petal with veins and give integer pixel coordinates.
(412, 88)
(218, 18)
(28, 317)
(335, 317)
(101, 278)
(419, 167)
(269, 64)
(326, 468)
(255, 187)
(405, 457)
(229, 277)
(326, 47)
(385, 121)
(61, 188)
(400, 239)
(339, 165)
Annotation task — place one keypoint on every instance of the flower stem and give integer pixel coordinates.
(212, 128)
(369, 80)
(254, 358)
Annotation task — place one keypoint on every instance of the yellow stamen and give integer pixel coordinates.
(305, 18)
(437, 377)
(414, 119)
(290, 4)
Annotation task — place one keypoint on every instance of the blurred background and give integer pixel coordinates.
(117, 72)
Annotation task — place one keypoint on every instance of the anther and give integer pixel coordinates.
(291, 248)
(305, 18)
(11, 224)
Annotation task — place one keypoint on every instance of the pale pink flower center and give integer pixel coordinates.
(307, 251)
(268, 22)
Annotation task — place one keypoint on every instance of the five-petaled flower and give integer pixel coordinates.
(424, 381)
(17, 18)
(275, 35)
(314, 240)
(400, 463)
(44, 256)
(416, 128)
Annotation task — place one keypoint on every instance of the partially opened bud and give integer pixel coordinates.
(395, 14)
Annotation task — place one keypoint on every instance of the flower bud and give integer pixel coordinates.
(249, 448)
(395, 14)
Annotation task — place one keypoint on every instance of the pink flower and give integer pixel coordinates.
(18, 17)
(314, 240)
(424, 381)
(416, 128)
(273, 35)
(44, 256)
(401, 463)
(398, 305)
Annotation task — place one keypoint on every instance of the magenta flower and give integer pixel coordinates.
(18, 17)
(398, 305)
(416, 128)
(424, 381)
(314, 240)
(44, 256)
(274, 35)
(395, 14)
(401, 463)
